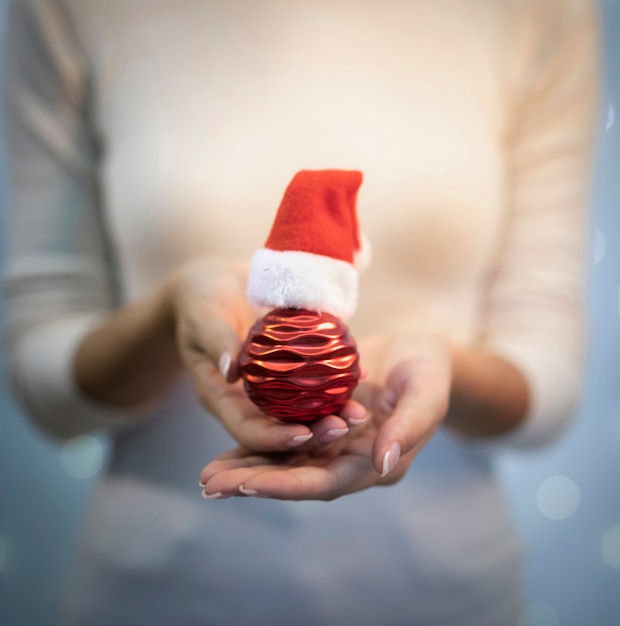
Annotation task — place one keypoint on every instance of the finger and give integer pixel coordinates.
(232, 482)
(364, 394)
(354, 413)
(249, 426)
(413, 405)
(228, 473)
(332, 427)
(341, 476)
(255, 430)
(293, 478)
(240, 458)
(326, 430)
(234, 459)
(400, 468)
(217, 339)
(311, 478)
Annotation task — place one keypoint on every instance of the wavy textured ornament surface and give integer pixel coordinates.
(299, 365)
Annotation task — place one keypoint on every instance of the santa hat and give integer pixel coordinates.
(314, 250)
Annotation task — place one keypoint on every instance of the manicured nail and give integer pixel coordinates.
(298, 440)
(390, 458)
(211, 496)
(247, 492)
(333, 434)
(356, 421)
(224, 364)
(355, 415)
(201, 484)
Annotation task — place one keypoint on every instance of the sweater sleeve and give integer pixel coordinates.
(534, 309)
(59, 278)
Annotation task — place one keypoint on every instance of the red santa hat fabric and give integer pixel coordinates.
(309, 258)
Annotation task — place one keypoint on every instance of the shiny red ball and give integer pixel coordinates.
(299, 365)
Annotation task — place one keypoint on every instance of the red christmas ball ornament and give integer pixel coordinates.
(299, 365)
(299, 362)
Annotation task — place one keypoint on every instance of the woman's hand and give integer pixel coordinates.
(212, 316)
(407, 393)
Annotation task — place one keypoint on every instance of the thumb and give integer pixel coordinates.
(414, 404)
(218, 340)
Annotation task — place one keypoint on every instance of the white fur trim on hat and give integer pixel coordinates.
(302, 280)
(363, 256)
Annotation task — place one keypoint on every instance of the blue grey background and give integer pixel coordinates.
(568, 582)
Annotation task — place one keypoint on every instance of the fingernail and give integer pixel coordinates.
(224, 364)
(390, 458)
(211, 496)
(333, 434)
(201, 484)
(355, 421)
(355, 415)
(299, 439)
(247, 492)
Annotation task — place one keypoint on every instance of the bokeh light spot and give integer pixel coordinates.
(611, 116)
(558, 497)
(82, 456)
(610, 547)
(538, 614)
(600, 246)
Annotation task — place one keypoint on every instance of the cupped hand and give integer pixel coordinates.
(406, 392)
(213, 316)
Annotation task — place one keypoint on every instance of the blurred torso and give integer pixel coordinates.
(201, 137)
(206, 110)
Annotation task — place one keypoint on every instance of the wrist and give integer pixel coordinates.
(163, 307)
(131, 356)
(488, 395)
